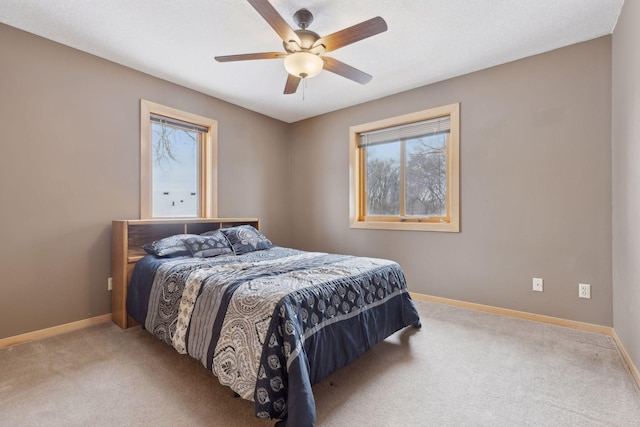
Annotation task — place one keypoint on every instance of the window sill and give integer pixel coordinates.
(450, 227)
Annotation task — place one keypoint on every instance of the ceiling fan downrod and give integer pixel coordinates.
(303, 18)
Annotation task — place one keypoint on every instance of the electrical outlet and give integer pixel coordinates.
(110, 283)
(584, 290)
(538, 284)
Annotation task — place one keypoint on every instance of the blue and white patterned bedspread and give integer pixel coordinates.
(272, 323)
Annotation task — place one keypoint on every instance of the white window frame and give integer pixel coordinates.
(207, 155)
(357, 195)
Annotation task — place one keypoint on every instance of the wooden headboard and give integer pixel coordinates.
(127, 239)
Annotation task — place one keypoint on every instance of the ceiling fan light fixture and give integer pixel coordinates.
(303, 64)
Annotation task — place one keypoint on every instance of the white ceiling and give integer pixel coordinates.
(427, 41)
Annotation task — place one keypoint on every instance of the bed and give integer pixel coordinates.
(269, 322)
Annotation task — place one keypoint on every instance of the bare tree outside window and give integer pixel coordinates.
(164, 139)
(175, 171)
(426, 177)
(383, 179)
(422, 171)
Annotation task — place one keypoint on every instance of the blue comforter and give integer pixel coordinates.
(272, 323)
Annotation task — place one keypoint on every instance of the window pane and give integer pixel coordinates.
(175, 171)
(383, 179)
(426, 176)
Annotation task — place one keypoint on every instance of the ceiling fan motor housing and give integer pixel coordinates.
(307, 40)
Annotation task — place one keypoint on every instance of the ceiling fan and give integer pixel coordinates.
(304, 48)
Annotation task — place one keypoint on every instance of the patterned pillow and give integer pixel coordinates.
(169, 246)
(210, 244)
(245, 239)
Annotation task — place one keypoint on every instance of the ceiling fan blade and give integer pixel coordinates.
(292, 84)
(353, 34)
(273, 18)
(344, 70)
(250, 56)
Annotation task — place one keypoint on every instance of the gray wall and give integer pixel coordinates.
(535, 186)
(626, 179)
(70, 164)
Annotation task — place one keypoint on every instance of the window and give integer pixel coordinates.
(178, 167)
(405, 172)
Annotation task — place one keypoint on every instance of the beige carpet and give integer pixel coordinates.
(463, 368)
